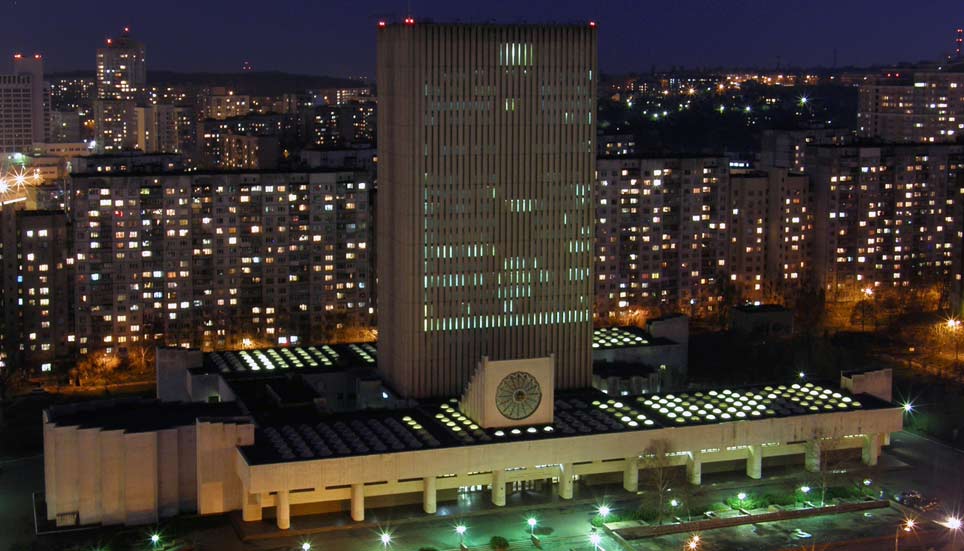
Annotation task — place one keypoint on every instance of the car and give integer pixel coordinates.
(910, 498)
(928, 504)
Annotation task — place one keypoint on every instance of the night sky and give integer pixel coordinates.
(337, 37)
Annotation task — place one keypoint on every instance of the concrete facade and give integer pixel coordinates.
(351, 480)
(485, 187)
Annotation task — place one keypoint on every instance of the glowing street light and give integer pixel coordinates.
(694, 542)
(908, 407)
(532, 525)
(305, 546)
(155, 539)
(805, 489)
(386, 539)
(953, 523)
(594, 539)
(604, 511)
(674, 502)
(803, 100)
(460, 530)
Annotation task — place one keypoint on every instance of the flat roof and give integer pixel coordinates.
(140, 414)
(264, 361)
(308, 435)
(607, 338)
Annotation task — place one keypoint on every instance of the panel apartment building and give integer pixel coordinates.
(215, 260)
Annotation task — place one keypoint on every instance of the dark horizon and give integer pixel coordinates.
(338, 38)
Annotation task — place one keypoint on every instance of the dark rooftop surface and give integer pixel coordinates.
(306, 434)
(138, 415)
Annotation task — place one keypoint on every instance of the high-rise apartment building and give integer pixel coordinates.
(788, 148)
(211, 259)
(486, 163)
(923, 106)
(219, 103)
(887, 215)
(24, 105)
(661, 233)
(121, 82)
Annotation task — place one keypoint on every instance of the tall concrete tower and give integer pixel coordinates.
(484, 220)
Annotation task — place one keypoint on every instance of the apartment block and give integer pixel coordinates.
(211, 259)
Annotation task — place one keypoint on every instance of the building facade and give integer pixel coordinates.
(887, 215)
(486, 162)
(924, 106)
(212, 260)
(24, 105)
(121, 83)
(661, 233)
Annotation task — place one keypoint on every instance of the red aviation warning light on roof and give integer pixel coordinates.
(409, 20)
(381, 24)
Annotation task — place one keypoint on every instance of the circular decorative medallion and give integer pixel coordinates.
(518, 395)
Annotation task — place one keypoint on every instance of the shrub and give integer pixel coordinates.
(719, 507)
(498, 543)
(779, 499)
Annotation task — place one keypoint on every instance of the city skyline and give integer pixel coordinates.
(692, 36)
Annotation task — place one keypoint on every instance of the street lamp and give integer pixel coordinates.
(155, 539)
(908, 407)
(305, 546)
(694, 542)
(954, 325)
(532, 526)
(805, 489)
(595, 539)
(386, 538)
(953, 523)
(741, 496)
(906, 526)
(460, 530)
(604, 511)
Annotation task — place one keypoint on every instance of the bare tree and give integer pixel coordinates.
(141, 358)
(660, 472)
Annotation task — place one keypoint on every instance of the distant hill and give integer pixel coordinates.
(261, 83)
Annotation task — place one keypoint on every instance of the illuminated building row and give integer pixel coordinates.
(211, 259)
(919, 107)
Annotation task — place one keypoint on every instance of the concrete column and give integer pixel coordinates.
(631, 475)
(694, 469)
(251, 508)
(754, 462)
(811, 456)
(428, 495)
(282, 509)
(886, 439)
(358, 502)
(565, 480)
(871, 449)
(498, 487)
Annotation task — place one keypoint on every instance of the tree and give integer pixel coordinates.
(498, 543)
(96, 367)
(864, 312)
(141, 358)
(660, 472)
